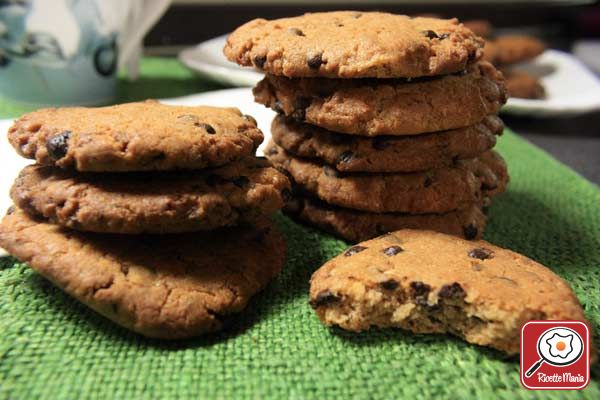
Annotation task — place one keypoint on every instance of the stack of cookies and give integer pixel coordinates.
(155, 216)
(385, 121)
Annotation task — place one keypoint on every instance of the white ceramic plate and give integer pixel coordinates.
(240, 98)
(571, 88)
(208, 60)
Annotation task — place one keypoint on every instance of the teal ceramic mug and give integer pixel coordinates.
(68, 52)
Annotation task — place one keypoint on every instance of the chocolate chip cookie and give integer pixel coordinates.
(522, 85)
(161, 286)
(135, 137)
(373, 107)
(436, 191)
(348, 44)
(512, 49)
(386, 153)
(356, 226)
(429, 282)
(161, 202)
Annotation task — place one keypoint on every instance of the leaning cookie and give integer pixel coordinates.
(369, 107)
(349, 44)
(523, 85)
(356, 226)
(165, 202)
(169, 287)
(512, 49)
(353, 153)
(436, 191)
(135, 137)
(428, 282)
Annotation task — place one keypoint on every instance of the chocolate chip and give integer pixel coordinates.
(296, 31)
(444, 36)
(430, 34)
(208, 128)
(250, 119)
(324, 298)
(390, 284)
(392, 250)
(470, 231)
(58, 145)
(300, 105)
(315, 61)
(260, 61)
(286, 194)
(240, 181)
(345, 157)
(10, 210)
(298, 114)
(353, 250)
(278, 107)
(452, 291)
(380, 143)
(481, 253)
(330, 171)
(427, 182)
(419, 289)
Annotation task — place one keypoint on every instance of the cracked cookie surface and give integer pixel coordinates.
(135, 137)
(436, 191)
(373, 107)
(356, 226)
(167, 286)
(352, 153)
(350, 44)
(161, 202)
(428, 282)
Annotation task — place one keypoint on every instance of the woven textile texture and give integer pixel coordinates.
(54, 348)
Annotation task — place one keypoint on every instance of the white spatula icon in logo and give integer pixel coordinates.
(558, 347)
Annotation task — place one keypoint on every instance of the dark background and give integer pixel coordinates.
(575, 141)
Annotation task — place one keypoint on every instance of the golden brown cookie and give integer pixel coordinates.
(166, 202)
(161, 286)
(371, 107)
(350, 44)
(351, 153)
(512, 49)
(135, 137)
(522, 85)
(428, 282)
(357, 226)
(436, 191)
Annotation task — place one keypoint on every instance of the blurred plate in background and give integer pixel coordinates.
(208, 60)
(570, 87)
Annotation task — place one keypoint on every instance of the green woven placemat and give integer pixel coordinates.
(52, 347)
